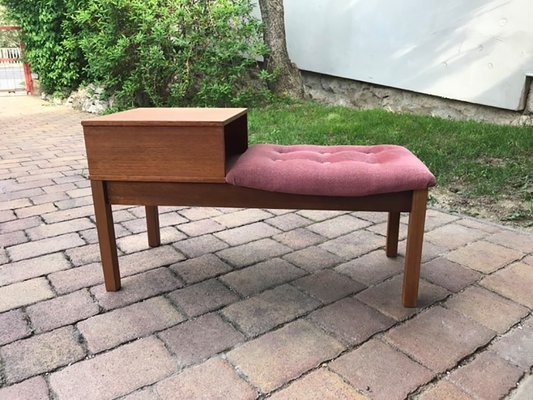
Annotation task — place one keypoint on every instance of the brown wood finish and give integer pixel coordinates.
(152, 225)
(190, 154)
(144, 117)
(235, 138)
(393, 230)
(179, 157)
(413, 250)
(106, 236)
(165, 145)
(226, 195)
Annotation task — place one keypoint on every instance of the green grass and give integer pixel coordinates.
(474, 159)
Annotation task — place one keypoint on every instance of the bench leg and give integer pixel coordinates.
(393, 230)
(152, 226)
(413, 252)
(106, 236)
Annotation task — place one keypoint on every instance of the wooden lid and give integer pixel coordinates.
(168, 117)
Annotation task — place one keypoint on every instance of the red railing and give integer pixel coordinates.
(15, 56)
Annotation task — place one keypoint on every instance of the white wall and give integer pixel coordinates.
(477, 51)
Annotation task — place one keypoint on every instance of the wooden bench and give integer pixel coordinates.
(181, 157)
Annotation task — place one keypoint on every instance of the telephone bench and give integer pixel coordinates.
(200, 157)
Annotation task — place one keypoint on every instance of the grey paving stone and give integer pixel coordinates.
(524, 389)
(448, 274)
(313, 259)
(214, 380)
(32, 268)
(439, 338)
(196, 340)
(372, 268)
(299, 238)
(149, 259)
(200, 245)
(280, 356)
(42, 353)
(44, 246)
(269, 309)
(203, 297)
(252, 253)
(135, 288)
(31, 389)
(288, 221)
(133, 243)
(200, 268)
(13, 326)
(242, 217)
(321, 384)
(108, 330)
(350, 320)
(338, 226)
(115, 373)
(328, 285)
(247, 233)
(487, 308)
(24, 293)
(49, 230)
(201, 227)
(472, 377)
(320, 215)
(77, 278)
(386, 297)
(354, 244)
(381, 372)
(516, 346)
(63, 310)
(261, 276)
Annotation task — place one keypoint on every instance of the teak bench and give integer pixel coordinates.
(186, 157)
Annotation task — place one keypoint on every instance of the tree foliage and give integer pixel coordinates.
(171, 52)
(50, 37)
(8, 38)
(147, 52)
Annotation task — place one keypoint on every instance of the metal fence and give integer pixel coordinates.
(15, 74)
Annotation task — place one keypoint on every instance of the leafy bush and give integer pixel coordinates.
(171, 52)
(50, 38)
(146, 52)
(7, 38)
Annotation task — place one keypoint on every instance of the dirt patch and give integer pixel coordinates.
(504, 210)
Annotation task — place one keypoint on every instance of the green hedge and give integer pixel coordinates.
(50, 38)
(147, 52)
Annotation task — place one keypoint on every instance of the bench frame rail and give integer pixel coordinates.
(154, 194)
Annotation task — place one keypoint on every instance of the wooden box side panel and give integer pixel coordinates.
(167, 154)
(236, 138)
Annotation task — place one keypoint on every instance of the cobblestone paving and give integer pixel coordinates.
(242, 304)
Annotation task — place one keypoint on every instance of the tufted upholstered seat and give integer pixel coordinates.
(330, 170)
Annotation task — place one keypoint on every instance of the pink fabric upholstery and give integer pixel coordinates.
(330, 170)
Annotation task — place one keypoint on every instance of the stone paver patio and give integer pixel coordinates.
(242, 304)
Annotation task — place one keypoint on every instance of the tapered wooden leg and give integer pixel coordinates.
(393, 229)
(152, 226)
(413, 252)
(106, 236)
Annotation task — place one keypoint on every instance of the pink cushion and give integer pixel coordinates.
(330, 170)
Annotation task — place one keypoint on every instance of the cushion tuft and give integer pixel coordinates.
(330, 170)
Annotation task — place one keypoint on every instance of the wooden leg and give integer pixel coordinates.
(413, 252)
(106, 236)
(393, 229)
(152, 226)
